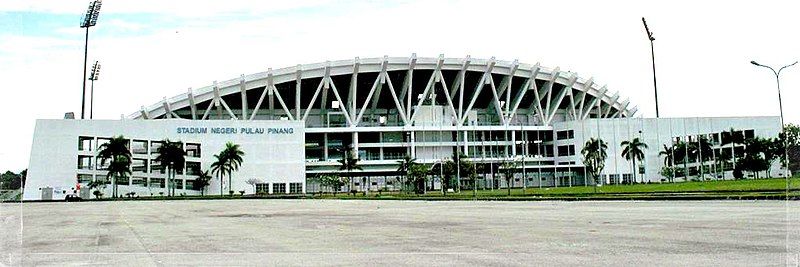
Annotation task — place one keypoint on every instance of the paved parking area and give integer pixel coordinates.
(333, 232)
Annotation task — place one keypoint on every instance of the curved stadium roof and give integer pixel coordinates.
(502, 90)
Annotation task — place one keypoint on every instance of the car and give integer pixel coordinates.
(72, 197)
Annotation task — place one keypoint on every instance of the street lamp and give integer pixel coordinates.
(93, 77)
(783, 127)
(653, 55)
(88, 20)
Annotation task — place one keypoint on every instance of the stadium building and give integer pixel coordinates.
(295, 123)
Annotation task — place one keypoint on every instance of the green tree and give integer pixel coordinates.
(755, 160)
(333, 182)
(404, 165)
(12, 181)
(669, 161)
(418, 174)
(117, 151)
(172, 156)
(633, 150)
(732, 137)
(508, 168)
(201, 182)
(594, 157)
(349, 163)
(226, 162)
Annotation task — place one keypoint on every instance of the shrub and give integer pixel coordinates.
(241, 192)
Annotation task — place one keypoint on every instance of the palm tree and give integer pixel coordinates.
(172, 156)
(508, 169)
(404, 165)
(594, 157)
(219, 167)
(349, 163)
(115, 149)
(669, 158)
(118, 168)
(227, 161)
(632, 151)
(201, 182)
(734, 138)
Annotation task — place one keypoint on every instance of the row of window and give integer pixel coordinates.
(137, 165)
(279, 188)
(142, 182)
(136, 146)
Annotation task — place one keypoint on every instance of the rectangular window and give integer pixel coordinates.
(278, 188)
(157, 182)
(102, 141)
(178, 183)
(295, 188)
(122, 180)
(102, 164)
(139, 181)
(626, 177)
(84, 162)
(155, 167)
(193, 150)
(548, 150)
(139, 165)
(139, 147)
(154, 145)
(563, 135)
(568, 150)
(84, 178)
(192, 168)
(85, 143)
(262, 188)
(189, 184)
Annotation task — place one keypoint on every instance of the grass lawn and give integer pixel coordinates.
(761, 187)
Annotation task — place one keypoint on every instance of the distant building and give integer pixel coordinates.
(385, 108)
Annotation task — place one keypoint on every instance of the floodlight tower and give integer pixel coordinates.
(93, 77)
(653, 55)
(88, 20)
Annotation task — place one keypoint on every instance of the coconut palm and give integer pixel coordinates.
(404, 165)
(117, 151)
(349, 163)
(227, 161)
(172, 156)
(633, 150)
(201, 182)
(669, 159)
(594, 157)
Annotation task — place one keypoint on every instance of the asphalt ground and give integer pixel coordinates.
(359, 232)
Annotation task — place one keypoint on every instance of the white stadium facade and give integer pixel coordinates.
(382, 109)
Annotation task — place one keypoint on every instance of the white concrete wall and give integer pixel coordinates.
(656, 133)
(270, 157)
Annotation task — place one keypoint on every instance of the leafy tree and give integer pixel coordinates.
(201, 182)
(404, 165)
(508, 169)
(349, 163)
(754, 160)
(791, 137)
(633, 150)
(594, 157)
(227, 161)
(117, 151)
(333, 182)
(418, 174)
(12, 181)
(172, 156)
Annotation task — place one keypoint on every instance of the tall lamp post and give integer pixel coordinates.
(783, 127)
(93, 77)
(653, 55)
(88, 20)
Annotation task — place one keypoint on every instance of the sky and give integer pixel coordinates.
(152, 49)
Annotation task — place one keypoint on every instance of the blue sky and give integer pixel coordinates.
(154, 49)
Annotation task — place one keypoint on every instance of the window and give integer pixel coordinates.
(155, 167)
(626, 178)
(192, 168)
(122, 181)
(154, 145)
(568, 150)
(548, 150)
(139, 165)
(189, 184)
(295, 188)
(262, 188)
(139, 181)
(614, 178)
(84, 162)
(563, 135)
(178, 183)
(85, 143)
(102, 164)
(278, 188)
(139, 147)
(102, 141)
(749, 134)
(157, 182)
(84, 178)
(193, 150)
